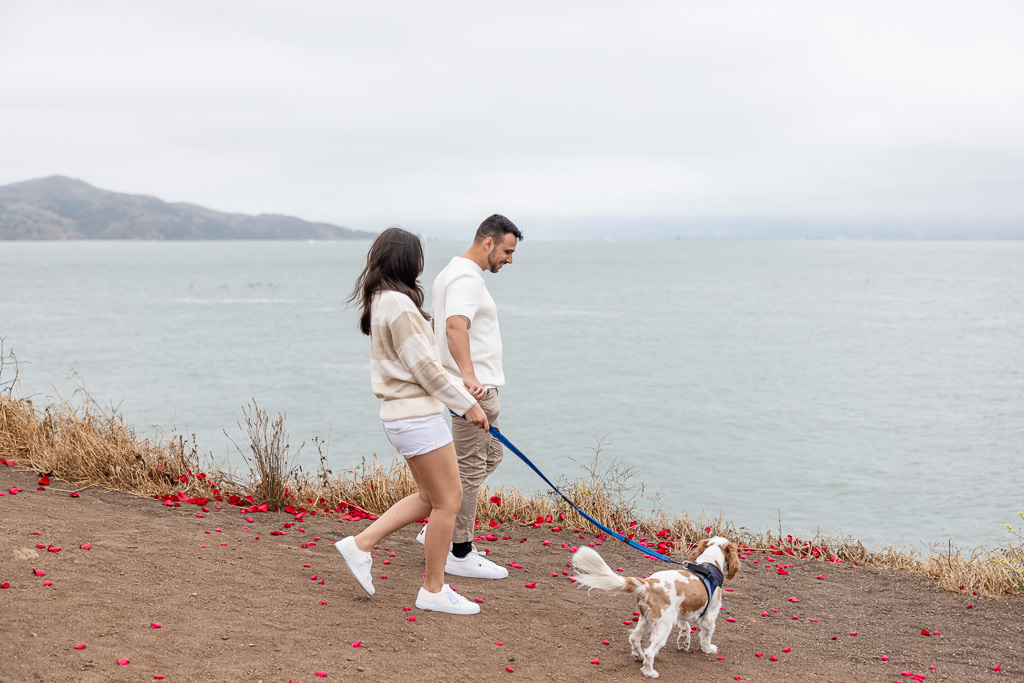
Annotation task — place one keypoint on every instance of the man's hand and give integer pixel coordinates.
(477, 417)
(474, 387)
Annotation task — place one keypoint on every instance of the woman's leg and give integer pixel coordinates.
(437, 475)
(404, 512)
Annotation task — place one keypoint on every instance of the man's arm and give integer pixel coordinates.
(457, 330)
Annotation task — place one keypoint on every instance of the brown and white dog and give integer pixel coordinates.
(665, 598)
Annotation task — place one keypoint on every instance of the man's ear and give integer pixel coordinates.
(488, 244)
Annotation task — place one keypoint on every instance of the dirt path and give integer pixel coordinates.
(234, 608)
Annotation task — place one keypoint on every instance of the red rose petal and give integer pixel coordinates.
(730, 619)
(123, 662)
(594, 661)
(532, 584)
(85, 546)
(509, 669)
(47, 583)
(358, 643)
(410, 618)
(773, 658)
(997, 668)
(74, 495)
(158, 677)
(321, 674)
(787, 649)
(794, 599)
(605, 642)
(80, 646)
(884, 658)
(853, 633)
(155, 625)
(820, 576)
(759, 654)
(478, 600)
(925, 632)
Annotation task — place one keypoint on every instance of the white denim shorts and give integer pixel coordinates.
(418, 435)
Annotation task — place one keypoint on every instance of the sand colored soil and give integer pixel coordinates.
(236, 602)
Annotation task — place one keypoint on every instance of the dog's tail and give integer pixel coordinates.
(597, 574)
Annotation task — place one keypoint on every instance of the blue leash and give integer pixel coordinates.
(508, 444)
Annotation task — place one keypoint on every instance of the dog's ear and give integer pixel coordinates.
(732, 560)
(696, 552)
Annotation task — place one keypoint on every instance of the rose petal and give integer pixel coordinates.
(853, 633)
(410, 618)
(80, 646)
(123, 662)
(759, 654)
(773, 658)
(321, 674)
(925, 632)
(787, 649)
(794, 599)
(509, 669)
(47, 583)
(884, 658)
(594, 661)
(358, 643)
(605, 642)
(532, 584)
(155, 625)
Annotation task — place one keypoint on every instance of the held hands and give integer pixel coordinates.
(474, 387)
(476, 417)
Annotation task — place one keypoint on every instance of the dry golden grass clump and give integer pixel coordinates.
(91, 446)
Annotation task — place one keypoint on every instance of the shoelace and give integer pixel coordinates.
(453, 596)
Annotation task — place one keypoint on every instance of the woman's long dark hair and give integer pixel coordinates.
(395, 262)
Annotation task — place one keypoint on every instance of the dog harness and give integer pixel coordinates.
(710, 575)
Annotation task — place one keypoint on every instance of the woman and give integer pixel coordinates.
(406, 372)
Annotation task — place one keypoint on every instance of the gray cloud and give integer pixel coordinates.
(367, 115)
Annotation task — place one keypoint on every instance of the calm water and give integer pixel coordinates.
(875, 388)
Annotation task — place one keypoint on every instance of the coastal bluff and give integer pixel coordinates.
(61, 208)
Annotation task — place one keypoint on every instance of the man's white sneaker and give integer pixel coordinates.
(422, 535)
(446, 600)
(474, 566)
(359, 562)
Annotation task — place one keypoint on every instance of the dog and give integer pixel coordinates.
(666, 598)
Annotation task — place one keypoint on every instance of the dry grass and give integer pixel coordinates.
(91, 446)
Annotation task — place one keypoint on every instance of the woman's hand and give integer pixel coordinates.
(476, 416)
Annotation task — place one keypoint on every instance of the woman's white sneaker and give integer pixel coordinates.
(445, 600)
(359, 562)
(474, 566)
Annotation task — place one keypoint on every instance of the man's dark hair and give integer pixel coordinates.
(496, 227)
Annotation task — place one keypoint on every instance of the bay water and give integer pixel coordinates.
(872, 388)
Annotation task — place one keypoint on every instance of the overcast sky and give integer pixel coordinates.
(368, 114)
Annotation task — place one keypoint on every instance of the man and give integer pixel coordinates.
(466, 328)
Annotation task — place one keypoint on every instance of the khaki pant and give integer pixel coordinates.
(479, 454)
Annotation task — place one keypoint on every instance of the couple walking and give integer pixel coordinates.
(421, 364)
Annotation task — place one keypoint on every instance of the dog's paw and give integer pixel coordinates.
(638, 655)
(651, 673)
(709, 649)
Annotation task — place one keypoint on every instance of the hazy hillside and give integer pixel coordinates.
(59, 208)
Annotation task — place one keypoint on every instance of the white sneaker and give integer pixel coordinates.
(422, 535)
(474, 566)
(359, 563)
(446, 600)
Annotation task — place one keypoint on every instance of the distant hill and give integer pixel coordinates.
(59, 208)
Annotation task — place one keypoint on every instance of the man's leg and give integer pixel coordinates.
(479, 454)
